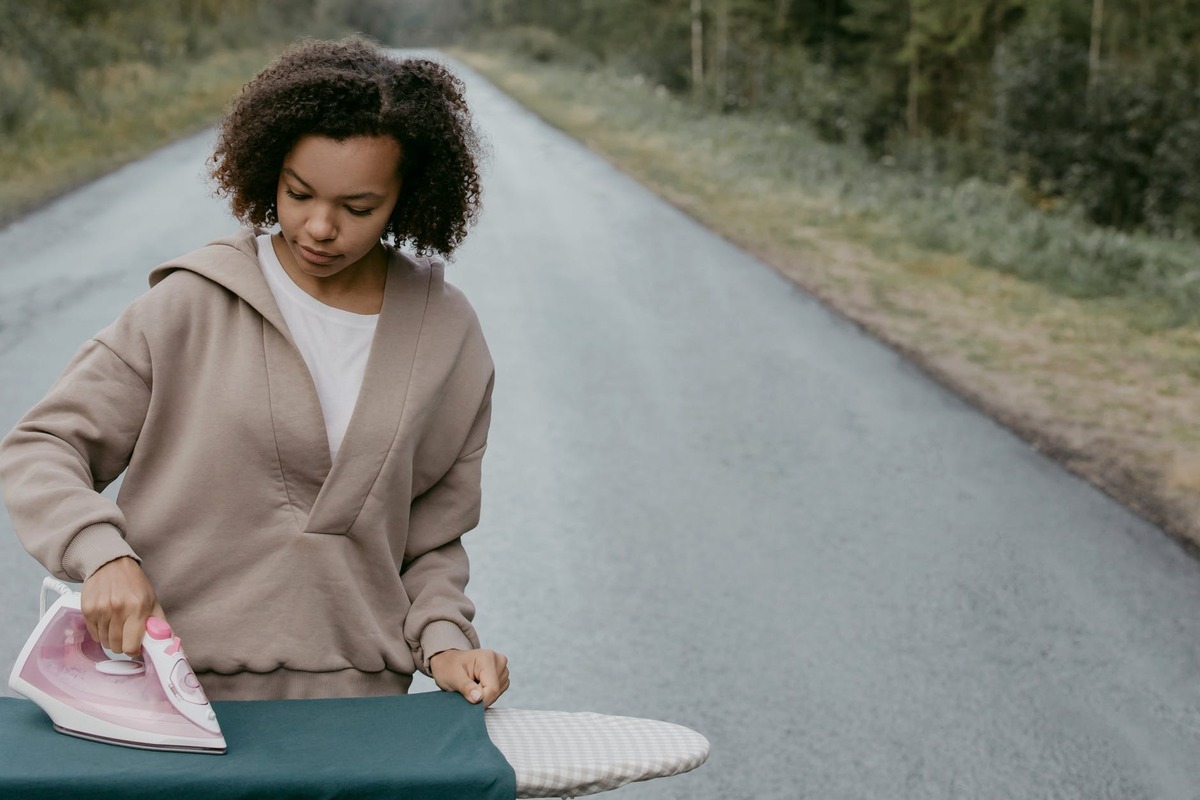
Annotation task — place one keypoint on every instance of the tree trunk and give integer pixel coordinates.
(769, 69)
(828, 34)
(1094, 50)
(782, 7)
(697, 47)
(499, 18)
(913, 114)
(722, 66)
(1144, 28)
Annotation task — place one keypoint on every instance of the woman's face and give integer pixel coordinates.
(334, 200)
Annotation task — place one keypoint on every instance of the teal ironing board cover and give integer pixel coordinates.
(432, 746)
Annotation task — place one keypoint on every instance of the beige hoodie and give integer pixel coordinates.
(285, 575)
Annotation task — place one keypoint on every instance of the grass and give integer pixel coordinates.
(838, 187)
(1084, 341)
(129, 110)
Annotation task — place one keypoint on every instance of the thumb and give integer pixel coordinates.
(457, 674)
(468, 687)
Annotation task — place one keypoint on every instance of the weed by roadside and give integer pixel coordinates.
(1156, 279)
(132, 109)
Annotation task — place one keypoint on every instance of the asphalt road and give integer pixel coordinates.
(709, 500)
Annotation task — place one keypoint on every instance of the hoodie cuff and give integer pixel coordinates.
(441, 635)
(92, 548)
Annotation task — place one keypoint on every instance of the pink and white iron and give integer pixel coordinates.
(155, 703)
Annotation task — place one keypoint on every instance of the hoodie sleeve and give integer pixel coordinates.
(435, 568)
(61, 455)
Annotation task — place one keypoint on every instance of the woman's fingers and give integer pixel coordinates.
(478, 675)
(131, 635)
(493, 676)
(116, 600)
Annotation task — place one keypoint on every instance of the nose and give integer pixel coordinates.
(320, 225)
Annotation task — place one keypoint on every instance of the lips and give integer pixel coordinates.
(317, 256)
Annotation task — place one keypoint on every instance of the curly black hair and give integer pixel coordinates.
(347, 88)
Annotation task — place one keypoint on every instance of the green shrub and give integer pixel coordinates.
(20, 94)
(1123, 150)
(541, 45)
(1040, 91)
(1172, 200)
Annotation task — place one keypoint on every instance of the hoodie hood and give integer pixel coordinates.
(230, 262)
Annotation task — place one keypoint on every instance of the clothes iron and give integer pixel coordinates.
(155, 703)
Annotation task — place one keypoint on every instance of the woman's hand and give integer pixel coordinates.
(116, 600)
(475, 674)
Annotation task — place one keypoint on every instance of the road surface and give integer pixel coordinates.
(709, 500)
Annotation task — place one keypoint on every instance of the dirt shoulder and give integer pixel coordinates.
(1113, 406)
(1079, 380)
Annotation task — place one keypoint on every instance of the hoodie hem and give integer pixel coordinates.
(297, 684)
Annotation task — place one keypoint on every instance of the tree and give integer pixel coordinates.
(1094, 46)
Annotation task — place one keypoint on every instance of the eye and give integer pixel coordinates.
(295, 195)
(360, 212)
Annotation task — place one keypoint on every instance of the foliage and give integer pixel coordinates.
(19, 93)
(1118, 149)
(409, 23)
(1077, 104)
(61, 41)
(85, 84)
(796, 181)
(1083, 103)
(540, 45)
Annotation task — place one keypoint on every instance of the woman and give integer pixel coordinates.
(300, 416)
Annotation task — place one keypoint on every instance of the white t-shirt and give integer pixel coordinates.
(335, 343)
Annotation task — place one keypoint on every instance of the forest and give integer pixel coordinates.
(1091, 104)
(1095, 103)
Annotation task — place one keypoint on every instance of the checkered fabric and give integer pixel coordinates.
(570, 754)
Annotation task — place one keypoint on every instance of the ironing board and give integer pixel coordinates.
(308, 748)
(563, 754)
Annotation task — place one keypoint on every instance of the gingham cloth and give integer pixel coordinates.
(570, 754)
